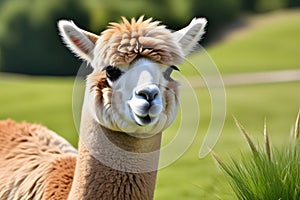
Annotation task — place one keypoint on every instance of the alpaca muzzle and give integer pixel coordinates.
(146, 104)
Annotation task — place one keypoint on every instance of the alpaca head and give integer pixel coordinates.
(131, 89)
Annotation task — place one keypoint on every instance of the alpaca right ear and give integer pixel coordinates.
(189, 36)
(80, 42)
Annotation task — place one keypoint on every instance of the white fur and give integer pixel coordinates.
(69, 30)
(189, 36)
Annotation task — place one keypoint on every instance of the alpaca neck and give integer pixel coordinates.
(114, 165)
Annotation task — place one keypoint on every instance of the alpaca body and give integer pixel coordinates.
(34, 162)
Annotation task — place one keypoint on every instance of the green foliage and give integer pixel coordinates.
(218, 12)
(248, 5)
(264, 5)
(293, 3)
(267, 5)
(29, 38)
(101, 11)
(269, 173)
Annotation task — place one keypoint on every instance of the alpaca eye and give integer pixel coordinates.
(167, 74)
(175, 67)
(113, 73)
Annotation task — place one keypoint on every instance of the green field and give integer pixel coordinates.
(272, 46)
(270, 42)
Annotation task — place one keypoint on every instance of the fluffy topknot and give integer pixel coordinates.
(122, 43)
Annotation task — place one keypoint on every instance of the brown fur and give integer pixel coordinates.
(37, 164)
(95, 180)
(29, 155)
(103, 182)
(60, 178)
(98, 82)
(100, 87)
(122, 43)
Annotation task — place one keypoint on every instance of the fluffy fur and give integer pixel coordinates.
(189, 36)
(30, 158)
(121, 44)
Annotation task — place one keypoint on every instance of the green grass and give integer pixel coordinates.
(49, 101)
(46, 101)
(271, 43)
(270, 172)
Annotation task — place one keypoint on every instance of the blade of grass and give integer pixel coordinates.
(247, 137)
(296, 130)
(267, 141)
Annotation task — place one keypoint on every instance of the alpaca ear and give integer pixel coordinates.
(189, 36)
(80, 42)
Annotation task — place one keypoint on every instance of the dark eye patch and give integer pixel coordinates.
(174, 68)
(168, 72)
(112, 73)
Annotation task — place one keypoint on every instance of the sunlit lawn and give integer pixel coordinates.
(271, 44)
(49, 101)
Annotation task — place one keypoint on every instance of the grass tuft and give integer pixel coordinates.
(269, 173)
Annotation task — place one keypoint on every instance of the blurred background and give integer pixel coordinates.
(28, 36)
(243, 37)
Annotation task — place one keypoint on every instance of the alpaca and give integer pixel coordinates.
(130, 99)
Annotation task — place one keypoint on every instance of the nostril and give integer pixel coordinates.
(142, 94)
(155, 94)
(148, 93)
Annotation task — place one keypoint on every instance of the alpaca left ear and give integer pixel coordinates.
(189, 36)
(80, 42)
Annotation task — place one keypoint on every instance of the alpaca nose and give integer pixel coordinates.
(149, 92)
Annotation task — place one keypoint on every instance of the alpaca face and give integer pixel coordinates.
(131, 89)
(142, 99)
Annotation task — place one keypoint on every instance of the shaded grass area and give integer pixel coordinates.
(48, 101)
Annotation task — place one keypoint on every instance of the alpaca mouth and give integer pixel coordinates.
(142, 120)
(144, 113)
(146, 119)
